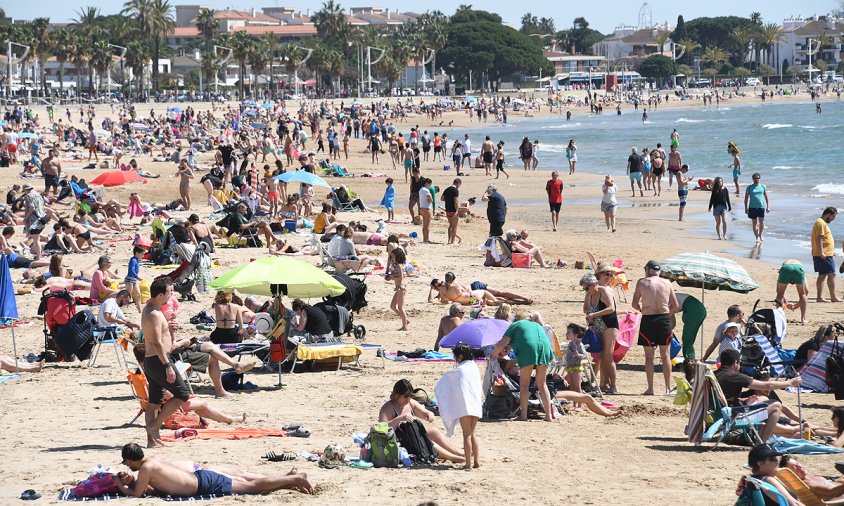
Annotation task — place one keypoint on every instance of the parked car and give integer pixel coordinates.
(752, 81)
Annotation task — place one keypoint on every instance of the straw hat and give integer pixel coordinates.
(602, 268)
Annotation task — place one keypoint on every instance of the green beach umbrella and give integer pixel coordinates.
(270, 276)
(710, 272)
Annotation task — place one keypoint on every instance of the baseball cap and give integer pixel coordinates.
(760, 453)
(653, 265)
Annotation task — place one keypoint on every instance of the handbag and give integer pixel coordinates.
(591, 341)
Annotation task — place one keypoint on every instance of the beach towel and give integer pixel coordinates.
(67, 495)
(771, 354)
(459, 394)
(814, 372)
(801, 446)
(232, 434)
(4, 378)
(135, 209)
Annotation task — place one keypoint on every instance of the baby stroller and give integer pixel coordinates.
(341, 308)
(66, 332)
(772, 325)
(194, 272)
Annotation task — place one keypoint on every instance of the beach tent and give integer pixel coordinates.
(8, 305)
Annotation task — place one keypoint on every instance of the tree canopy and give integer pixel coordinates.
(580, 36)
(477, 43)
(657, 66)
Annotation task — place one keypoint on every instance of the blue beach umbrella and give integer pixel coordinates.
(8, 305)
(302, 177)
(29, 135)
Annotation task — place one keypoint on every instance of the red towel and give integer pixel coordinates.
(233, 434)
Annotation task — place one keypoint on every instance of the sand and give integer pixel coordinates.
(59, 423)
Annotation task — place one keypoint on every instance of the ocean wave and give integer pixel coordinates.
(807, 127)
(802, 244)
(784, 167)
(773, 126)
(551, 148)
(830, 188)
(686, 120)
(566, 125)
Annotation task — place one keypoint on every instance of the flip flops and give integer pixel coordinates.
(299, 432)
(30, 495)
(279, 457)
(291, 426)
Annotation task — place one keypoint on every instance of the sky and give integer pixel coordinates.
(603, 16)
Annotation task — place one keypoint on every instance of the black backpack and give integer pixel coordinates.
(414, 438)
(835, 370)
(76, 337)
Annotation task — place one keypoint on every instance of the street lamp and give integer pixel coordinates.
(369, 64)
(809, 53)
(222, 61)
(296, 70)
(9, 56)
(121, 53)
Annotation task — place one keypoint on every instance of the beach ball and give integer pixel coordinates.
(414, 235)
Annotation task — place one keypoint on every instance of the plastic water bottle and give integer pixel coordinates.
(404, 457)
(359, 438)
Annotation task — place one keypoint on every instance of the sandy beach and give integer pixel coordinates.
(61, 422)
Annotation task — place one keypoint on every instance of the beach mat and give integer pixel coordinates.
(8, 377)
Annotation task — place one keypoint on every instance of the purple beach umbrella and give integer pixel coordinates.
(476, 333)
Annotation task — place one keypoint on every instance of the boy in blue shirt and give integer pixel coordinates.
(133, 276)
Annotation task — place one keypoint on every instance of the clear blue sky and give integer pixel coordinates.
(602, 15)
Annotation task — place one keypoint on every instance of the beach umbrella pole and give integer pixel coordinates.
(15, 348)
(702, 301)
(800, 410)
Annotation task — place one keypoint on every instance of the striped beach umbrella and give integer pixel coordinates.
(709, 272)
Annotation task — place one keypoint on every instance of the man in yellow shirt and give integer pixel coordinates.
(823, 249)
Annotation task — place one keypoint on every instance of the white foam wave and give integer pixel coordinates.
(807, 127)
(802, 244)
(551, 148)
(784, 167)
(830, 188)
(773, 126)
(566, 125)
(686, 120)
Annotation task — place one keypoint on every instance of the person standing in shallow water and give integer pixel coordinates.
(756, 205)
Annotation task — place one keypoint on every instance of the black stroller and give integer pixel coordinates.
(771, 324)
(340, 310)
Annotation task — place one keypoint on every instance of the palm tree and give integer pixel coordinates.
(63, 49)
(743, 35)
(661, 38)
(770, 35)
(137, 55)
(207, 25)
(330, 22)
(87, 25)
(162, 24)
(80, 59)
(823, 40)
(691, 46)
(260, 58)
(242, 45)
(42, 47)
(270, 45)
(714, 55)
(436, 39)
(101, 59)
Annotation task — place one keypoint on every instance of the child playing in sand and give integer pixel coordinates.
(574, 357)
(459, 395)
(133, 278)
(389, 199)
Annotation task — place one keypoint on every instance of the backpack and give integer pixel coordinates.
(500, 407)
(414, 438)
(383, 446)
(76, 337)
(96, 485)
(189, 420)
(835, 370)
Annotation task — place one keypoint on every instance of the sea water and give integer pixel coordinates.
(799, 153)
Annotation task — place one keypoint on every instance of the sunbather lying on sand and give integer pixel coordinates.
(8, 364)
(188, 479)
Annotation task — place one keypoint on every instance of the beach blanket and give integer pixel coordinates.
(232, 434)
(459, 394)
(6, 323)
(801, 446)
(8, 377)
(67, 495)
(814, 372)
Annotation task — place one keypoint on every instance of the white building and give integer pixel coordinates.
(793, 48)
(629, 41)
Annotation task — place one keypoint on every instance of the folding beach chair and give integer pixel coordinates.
(107, 335)
(326, 259)
(800, 490)
(759, 485)
(726, 418)
(140, 387)
(341, 206)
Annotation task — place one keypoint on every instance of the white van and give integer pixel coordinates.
(752, 81)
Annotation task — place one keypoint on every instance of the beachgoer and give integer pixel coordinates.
(635, 164)
(654, 297)
(533, 351)
(389, 199)
(526, 152)
(451, 201)
(719, 205)
(459, 395)
(426, 201)
(808, 349)
(554, 189)
(675, 162)
(600, 310)
(228, 328)
(823, 249)
(756, 205)
(609, 203)
(187, 479)
(403, 408)
(658, 168)
(9, 364)
(763, 461)
(571, 156)
(496, 211)
(694, 313)
(309, 324)
(499, 160)
(824, 488)
(791, 273)
(723, 339)
(683, 190)
(396, 272)
(449, 322)
(185, 174)
(488, 154)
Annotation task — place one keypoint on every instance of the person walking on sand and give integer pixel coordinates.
(654, 297)
(396, 272)
(451, 201)
(571, 156)
(459, 396)
(488, 153)
(736, 165)
(823, 249)
(554, 189)
(499, 161)
(658, 168)
(719, 206)
(675, 162)
(159, 365)
(496, 210)
(756, 205)
(634, 171)
(426, 202)
(185, 174)
(683, 190)
(526, 152)
(608, 203)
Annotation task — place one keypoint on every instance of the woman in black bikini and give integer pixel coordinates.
(403, 408)
(600, 309)
(200, 232)
(229, 318)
